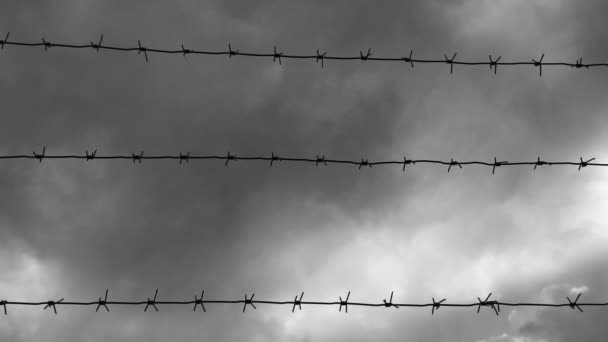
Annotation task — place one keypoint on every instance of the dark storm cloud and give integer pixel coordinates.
(136, 106)
(137, 227)
(568, 325)
(108, 228)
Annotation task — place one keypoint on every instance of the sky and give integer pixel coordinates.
(70, 228)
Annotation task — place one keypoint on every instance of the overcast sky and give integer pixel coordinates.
(72, 229)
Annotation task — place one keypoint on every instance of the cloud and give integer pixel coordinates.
(82, 227)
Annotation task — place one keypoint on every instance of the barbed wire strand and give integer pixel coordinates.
(494, 305)
(318, 160)
(279, 56)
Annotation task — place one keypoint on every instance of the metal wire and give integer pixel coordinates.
(341, 303)
(276, 55)
(279, 56)
(318, 160)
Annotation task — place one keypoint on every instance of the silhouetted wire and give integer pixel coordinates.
(494, 305)
(279, 56)
(275, 55)
(318, 160)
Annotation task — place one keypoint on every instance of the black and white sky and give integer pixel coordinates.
(71, 229)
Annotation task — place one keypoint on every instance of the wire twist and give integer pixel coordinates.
(494, 63)
(579, 64)
(436, 305)
(539, 64)
(450, 62)
(198, 301)
(137, 157)
(366, 56)
(103, 303)
(453, 163)
(97, 46)
(321, 57)
(152, 302)
(142, 49)
(51, 304)
(390, 302)
(90, 156)
(249, 301)
(40, 156)
(491, 303)
(5, 41)
(344, 303)
(297, 302)
(409, 59)
(574, 304)
(277, 55)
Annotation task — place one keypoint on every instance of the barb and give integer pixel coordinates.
(364, 163)
(539, 64)
(405, 162)
(5, 41)
(103, 303)
(390, 302)
(90, 156)
(342, 303)
(366, 56)
(276, 55)
(40, 156)
(492, 303)
(494, 63)
(321, 57)
(452, 163)
(575, 304)
(249, 301)
(229, 158)
(301, 159)
(579, 64)
(152, 302)
(137, 157)
(321, 160)
(273, 158)
(497, 164)
(46, 44)
(185, 51)
(450, 62)
(97, 46)
(540, 162)
(436, 305)
(584, 163)
(317, 56)
(52, 303)
(230, 51)
(409, 59)
(297, 302)
(199, 302)
(183, 157)
(142, 49)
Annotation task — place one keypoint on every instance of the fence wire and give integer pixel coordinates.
(296, 302)
(318, 57)
(181, 157)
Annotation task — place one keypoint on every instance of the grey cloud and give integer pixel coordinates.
(76, 111)
(135, 227)
(568, 325)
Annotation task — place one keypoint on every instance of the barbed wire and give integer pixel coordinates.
(318, 160)
(296, 302)
(279, 56)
